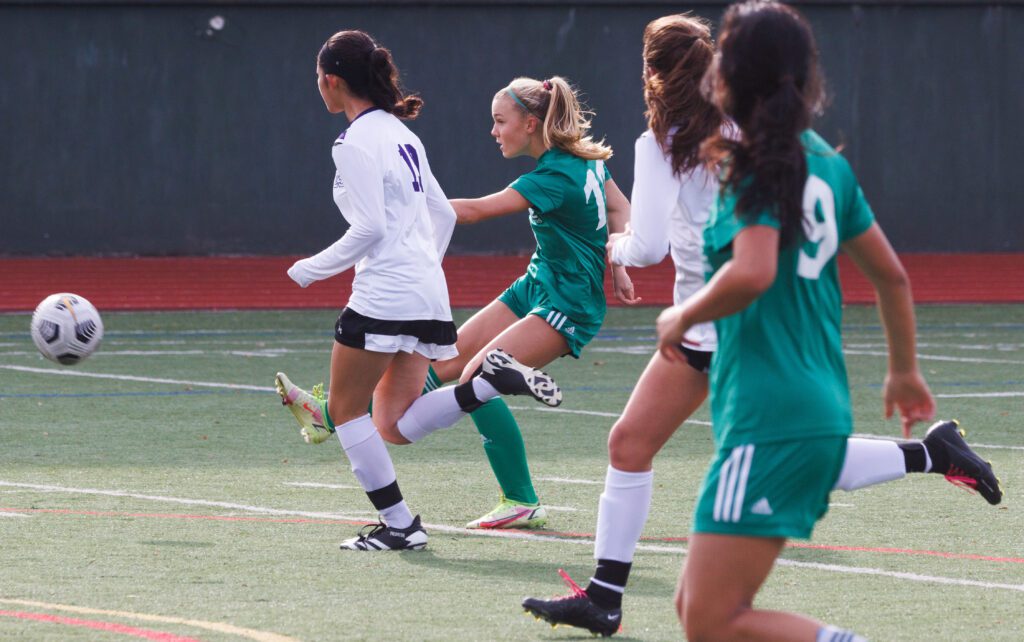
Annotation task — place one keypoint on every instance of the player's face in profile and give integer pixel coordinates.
(510, 129)
(328, 93)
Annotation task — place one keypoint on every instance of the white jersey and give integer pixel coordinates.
(400, 223)
(668, 212)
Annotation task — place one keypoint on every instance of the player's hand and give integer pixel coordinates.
(908, 394)
(612, 239)
(297, 274)
(671, 327)
(622, 285)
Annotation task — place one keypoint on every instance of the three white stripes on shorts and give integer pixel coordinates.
(732, 484)
(556, 319)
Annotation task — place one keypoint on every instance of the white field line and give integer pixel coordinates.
(318, 485)
(234, 386)
(654, 548)
(1000, 347)
(6, 514)
(973, 445)
(176, 382)
(561, 509)
(567, 480)
(935, 357)
(980, 395)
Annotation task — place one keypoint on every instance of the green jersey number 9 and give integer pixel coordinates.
(818, 198)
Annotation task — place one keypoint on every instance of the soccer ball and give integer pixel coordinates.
(66, 328)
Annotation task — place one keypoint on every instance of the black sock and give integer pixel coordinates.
(913, 455)
(939, 457)
(465, 396)
(385, 497)
(614, 573)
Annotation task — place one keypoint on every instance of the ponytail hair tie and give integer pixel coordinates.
(546, 85)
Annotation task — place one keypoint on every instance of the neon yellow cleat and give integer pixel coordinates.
(512, 514)
(307, 408)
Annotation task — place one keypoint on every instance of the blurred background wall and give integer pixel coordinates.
(139, 128)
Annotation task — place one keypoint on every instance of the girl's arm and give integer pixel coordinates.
(654, 191)
(618, 220)
(741, 280)
(474, 210)
(905, 388)
(363, 206)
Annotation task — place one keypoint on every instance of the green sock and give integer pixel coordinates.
(327, 415)
(503, 444)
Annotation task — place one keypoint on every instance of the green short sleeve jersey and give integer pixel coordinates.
(779, 372)
(569, 220)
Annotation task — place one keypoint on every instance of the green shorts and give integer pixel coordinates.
(527, 296)
(778, 489)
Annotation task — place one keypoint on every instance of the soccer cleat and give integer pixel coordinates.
(306, 408)
(509, 377)
(966, 469)
(512, 514)
(575, 609)
(381, 537)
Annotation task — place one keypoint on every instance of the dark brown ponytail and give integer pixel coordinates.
(677, 51)
(768, 82)
(369, 71)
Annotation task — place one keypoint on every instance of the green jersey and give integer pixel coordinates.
(569, 220)
(779, 372)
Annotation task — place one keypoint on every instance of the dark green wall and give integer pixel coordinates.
(127, 128)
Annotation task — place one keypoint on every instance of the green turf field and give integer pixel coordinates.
(176, 496)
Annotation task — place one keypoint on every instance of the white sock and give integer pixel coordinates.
(371, 463)
(622, 513)
(397, 516)
(439, 409)
(869, 462)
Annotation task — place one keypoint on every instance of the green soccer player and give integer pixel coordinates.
(780, 402)
(557, 307)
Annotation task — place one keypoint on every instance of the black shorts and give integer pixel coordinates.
(431, 338)
(699, 360)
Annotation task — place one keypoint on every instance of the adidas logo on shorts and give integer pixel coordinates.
(761, 507)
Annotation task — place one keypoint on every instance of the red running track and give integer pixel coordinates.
(260, 282)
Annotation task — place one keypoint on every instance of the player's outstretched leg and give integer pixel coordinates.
(509, 377)
(575, 609)
(381, 537)
(308, 408)
(951, 456)
(512, 514)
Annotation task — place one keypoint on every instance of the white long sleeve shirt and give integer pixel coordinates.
(400, 223)
(668, 213)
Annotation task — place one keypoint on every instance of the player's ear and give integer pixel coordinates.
(532, 122)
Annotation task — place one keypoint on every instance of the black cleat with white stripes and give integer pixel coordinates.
(509, 377)
(381, 537)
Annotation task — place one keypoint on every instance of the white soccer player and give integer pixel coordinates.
(398, 318)
(673, 192)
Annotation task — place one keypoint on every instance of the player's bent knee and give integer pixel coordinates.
(627, 450)
(392, 435)
(705, 620)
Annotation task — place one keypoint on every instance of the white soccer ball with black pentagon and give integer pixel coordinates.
(66, 328)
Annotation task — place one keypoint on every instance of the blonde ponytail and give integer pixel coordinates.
(565, 122)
